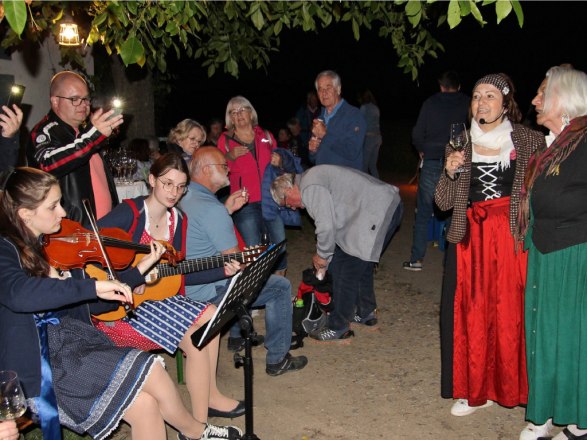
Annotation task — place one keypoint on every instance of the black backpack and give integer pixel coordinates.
(311, 306)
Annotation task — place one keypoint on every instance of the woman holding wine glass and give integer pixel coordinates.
(482, 306)
(70, 372)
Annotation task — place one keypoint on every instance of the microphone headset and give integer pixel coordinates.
(482, 121)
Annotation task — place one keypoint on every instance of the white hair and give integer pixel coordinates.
(567, 88)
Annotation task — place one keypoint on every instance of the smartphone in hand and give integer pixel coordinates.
(116, 105)
(15, 95)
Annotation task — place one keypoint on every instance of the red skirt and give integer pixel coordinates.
(489, 345)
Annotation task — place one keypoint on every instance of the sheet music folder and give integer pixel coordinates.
(243, 289)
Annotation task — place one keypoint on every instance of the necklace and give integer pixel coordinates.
(156, 224)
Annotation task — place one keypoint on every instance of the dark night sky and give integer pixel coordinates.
(553, 33)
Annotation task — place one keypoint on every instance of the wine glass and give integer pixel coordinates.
(12, 400)
(458, 139)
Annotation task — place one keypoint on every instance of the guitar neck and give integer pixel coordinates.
(198, 264)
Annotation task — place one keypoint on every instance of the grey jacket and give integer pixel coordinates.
(350, 209)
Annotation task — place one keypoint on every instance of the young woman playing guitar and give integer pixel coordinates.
(156, 217)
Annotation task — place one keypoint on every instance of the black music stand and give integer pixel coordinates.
(241, 293)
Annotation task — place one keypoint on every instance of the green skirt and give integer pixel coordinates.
(556, 335)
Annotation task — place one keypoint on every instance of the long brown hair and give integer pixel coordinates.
(25, 188)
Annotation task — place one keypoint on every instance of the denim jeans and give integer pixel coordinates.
(250, 224)
(429, 176)
(352, 281)
(275, 296)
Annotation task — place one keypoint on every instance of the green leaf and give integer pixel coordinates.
(131, 51)
(454, 13)
(132, 7)
(502, 9)
(356, 30)
(477, 14)
(465, 6)
(518, 11)
(15, 12)
(99, 19)
(258, 19)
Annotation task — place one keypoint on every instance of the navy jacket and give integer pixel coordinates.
(343, 143)
(21, 296)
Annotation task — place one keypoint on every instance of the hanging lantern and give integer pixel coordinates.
(68, 33)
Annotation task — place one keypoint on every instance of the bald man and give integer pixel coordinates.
(211, 232)
(68, 145)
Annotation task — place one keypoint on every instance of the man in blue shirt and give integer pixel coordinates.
(430, 137)
(210, 232)
(338, 135)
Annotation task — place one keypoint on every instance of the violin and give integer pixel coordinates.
(74, 246)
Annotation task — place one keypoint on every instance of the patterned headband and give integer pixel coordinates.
(497, 80)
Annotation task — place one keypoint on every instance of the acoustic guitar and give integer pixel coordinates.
(164, 280)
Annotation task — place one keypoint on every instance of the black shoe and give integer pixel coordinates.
(238, 411)
(213, 432)
(238, 344)
(289, 363)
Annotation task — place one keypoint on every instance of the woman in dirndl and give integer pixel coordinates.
(482, 331)
(169, 323)
(554, 219)
(71, 373)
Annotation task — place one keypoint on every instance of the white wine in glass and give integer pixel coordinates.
(458, 139)
(12, 400)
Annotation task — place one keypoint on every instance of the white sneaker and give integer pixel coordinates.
(461, 407)
(533, 432)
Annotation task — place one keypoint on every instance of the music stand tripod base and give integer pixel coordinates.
(242, 292)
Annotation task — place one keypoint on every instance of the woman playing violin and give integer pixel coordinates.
(71, 373)
(157, 218)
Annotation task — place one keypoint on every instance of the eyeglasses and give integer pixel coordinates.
(76, 101)
(238, 111)
(223, 165)
(196, 140)
(168, 186)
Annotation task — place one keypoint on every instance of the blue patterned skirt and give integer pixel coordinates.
(95, 382)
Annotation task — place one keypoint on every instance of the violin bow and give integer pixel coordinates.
(94, 225)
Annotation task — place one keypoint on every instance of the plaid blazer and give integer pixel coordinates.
(454, 194)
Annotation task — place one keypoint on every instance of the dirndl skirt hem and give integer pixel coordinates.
(95, 382)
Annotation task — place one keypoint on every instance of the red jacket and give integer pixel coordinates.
(246, 171)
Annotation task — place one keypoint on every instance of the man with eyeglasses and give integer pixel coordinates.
(339, 131)
(68, 145)
(210, 232)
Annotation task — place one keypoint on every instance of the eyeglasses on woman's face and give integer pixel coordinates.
(238, 111)
(169, 187)
(76, 101)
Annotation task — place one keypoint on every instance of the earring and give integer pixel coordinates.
(566, 120)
